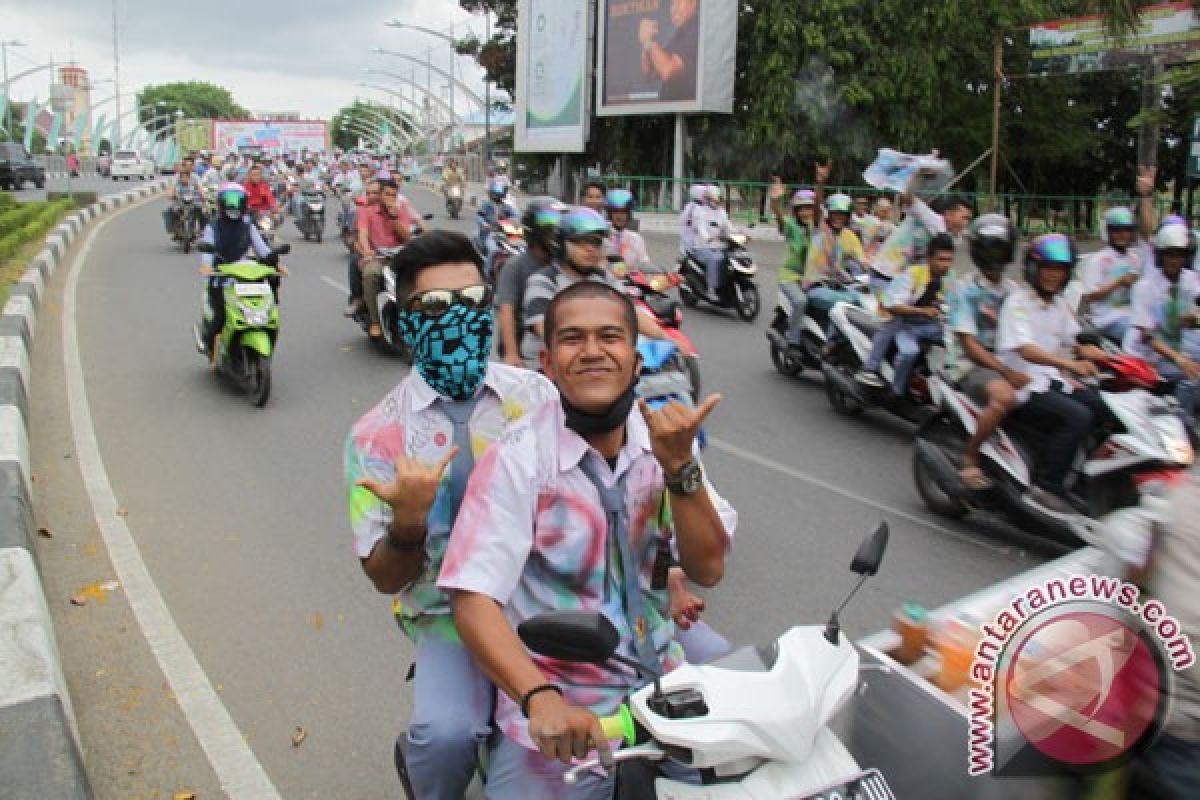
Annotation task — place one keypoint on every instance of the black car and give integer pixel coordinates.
(17, 167)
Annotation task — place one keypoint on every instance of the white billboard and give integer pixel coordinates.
(230, 135)
(553, 65)
(665, 56)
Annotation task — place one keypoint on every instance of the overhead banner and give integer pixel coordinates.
(1167, 31)
(269, 135)
(666, 56)
(553, 65)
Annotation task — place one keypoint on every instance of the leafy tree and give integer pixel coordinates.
(360, 114)
(197, 100)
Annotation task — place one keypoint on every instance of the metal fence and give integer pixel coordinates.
(746, 202)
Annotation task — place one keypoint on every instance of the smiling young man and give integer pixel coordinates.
(572, 509)
(407, 463)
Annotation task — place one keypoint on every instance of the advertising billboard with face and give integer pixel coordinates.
(663, 56)
(553, 64)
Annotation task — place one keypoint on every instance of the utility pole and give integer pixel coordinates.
(487, 96)
(998, 78)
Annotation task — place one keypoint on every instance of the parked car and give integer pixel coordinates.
(103, 165)
(129, 164)
(17, 166)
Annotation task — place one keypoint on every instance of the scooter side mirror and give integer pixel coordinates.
(205, 247)
(870, 553)
(577, 636)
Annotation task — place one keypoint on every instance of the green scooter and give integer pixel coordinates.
(246, 342)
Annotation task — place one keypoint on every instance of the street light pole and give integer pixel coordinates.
(487, 96)
(7, 99)
(116, 73)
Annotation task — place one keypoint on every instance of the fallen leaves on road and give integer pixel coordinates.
(45, 533)
(97, 591)
(299, 736)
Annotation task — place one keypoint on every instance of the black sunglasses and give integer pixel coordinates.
(435, 302)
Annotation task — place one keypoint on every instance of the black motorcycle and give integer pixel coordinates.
(737, 289)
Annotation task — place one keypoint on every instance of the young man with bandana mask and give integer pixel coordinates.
(407, 462)
(581, 234)
(572, 509)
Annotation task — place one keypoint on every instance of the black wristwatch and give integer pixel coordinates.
(687, 481)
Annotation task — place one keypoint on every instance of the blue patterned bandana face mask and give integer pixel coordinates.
(450, 351)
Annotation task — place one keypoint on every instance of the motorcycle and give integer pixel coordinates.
(454, 200)
(189, 219)
(509, 237)
(311, 221)
(247, 341)
(852, 329)
(265, 222)
(1145, 443)
(737, 291)
(388, 308)
(792, 359)
(648, 287)
(755, 723)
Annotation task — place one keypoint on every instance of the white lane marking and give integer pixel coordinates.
(238, 770)
(791, 472)
(335, 284)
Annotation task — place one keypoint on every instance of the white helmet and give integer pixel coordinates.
(1173, 236)
(713, 193)
(697, 192)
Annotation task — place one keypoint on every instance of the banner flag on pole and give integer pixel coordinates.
(31, 111)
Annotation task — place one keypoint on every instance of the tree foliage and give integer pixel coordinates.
(349, 121)
(839, 78)
(197, 100)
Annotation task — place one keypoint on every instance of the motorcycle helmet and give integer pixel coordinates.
(541, 220)
(1118, 219)
(578, 223)
(696, 193)
(1174, 237)
(839, 204)
(497, 191)
(619, 200)
(1049, 248)
(992, 240)
(714, 194)
(231, 200)
(804, 197)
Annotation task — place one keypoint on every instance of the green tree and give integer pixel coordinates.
(197, 100)
(364, 114)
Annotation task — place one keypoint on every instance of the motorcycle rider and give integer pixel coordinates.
(451, 178)
(380, 227)
(594, 194)
(913, 303)
(581, 235)
(689, 216)
(533, 502)
(953, 219)
(1036, 336)
(405, 491)
(712, 227)
(1108, 275)
(232, 233)
(540, 224)
(627, 245)
(369, 198)
(185, 183)
(259, 197)
(496, 208)
(975, 301)
(836, 255)
(1164, 306)
(797, 231)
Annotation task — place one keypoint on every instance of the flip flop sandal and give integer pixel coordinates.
(974, 479)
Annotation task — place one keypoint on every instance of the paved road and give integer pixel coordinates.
(239, 512)
(85, 183)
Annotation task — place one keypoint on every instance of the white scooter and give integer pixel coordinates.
(1147, 442)
(755, 724)
(792, 359)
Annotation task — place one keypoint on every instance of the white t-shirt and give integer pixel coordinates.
(1024, 320)
(1101, 269)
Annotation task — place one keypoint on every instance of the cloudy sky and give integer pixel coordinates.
(298, 55)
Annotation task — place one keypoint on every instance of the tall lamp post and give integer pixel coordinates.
(7, 102)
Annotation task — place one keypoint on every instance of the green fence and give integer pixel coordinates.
(1031, 213)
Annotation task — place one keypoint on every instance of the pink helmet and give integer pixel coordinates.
(804, 197)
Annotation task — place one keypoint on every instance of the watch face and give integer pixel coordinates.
(692, 478)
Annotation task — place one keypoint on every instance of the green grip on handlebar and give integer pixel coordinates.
(620, 726)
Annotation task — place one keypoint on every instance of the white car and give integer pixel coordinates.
(128, 164)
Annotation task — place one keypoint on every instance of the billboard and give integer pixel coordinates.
(553, 65)
(274, 136)
(1168, 31)
(666, 56)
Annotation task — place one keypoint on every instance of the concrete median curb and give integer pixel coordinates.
(40, 752)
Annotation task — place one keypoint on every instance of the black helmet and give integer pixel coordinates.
(992, 240)
(540, 221)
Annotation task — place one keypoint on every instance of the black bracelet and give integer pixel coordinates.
(411, 546)
(528, 696)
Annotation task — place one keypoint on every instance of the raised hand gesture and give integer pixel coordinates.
(673, 431)
(411, 493)
(777, 189)
(1145, 180)
(823, 171)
